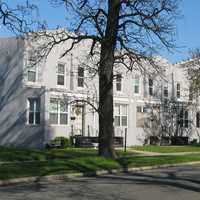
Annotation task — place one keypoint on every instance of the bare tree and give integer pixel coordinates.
(123, 33)
(126, 33)
(18, 19)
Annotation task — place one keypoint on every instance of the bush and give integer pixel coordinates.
(179, 140)
(64, 142)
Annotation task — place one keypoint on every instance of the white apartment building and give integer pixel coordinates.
(42, 102)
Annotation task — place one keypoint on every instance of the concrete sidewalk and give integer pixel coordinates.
(148, 153)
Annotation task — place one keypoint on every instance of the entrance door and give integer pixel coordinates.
(78, 119)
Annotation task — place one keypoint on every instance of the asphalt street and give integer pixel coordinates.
(164, 184)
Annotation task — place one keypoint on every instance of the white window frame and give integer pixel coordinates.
(35, 112)
(59, 112)
(61, 74)
(120, 114)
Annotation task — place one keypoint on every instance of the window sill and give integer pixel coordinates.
(33, 84)
(60, 125)
(33, 125)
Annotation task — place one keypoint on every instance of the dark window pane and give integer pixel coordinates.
(178, 93)
(124, 120)
(37, 105)
(118, 86)
(31, 76)
(60, 80)
(136, 89)
(178, 86)
(117, 120)
(198, 120)
(53, 118)
(119, 82)
(37, 118)
(63, 118)
(186, 123)
(151, 91)
(139, 109)
(165, 92)
(80, 82)
(80, 72)
(150, 82)
(31, 118)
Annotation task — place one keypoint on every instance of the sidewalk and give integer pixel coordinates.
(147, 153)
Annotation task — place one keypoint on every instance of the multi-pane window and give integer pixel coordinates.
(183, 119)
(178, 90)
(198, 119)
(119, 82)
(121, 115)
(58, 111)
(61, 74)
(136, 84)
(80, 76)
(31, 74)
(151, 87)
(33, 111)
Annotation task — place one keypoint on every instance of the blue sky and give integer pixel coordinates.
(188, 27)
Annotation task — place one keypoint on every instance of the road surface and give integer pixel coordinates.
(164, 184)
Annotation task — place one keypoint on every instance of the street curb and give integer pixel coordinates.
(87, 174)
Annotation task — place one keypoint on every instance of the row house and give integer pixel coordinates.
(40, 102)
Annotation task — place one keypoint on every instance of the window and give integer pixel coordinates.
(34, 111)
(32, 74)
(58, 111)
(136, 84)
(61, 74)
(119, 82)
(190, 94)
(198, 119)
(165, 92)
(186, 119)
(139, 109)
(151, 87)
(80, 76)
(178, 90)
(183, 119)
(121, 118)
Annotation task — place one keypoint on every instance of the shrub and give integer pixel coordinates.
(64, 142)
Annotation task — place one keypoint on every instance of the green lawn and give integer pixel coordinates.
(48, 162)
(167, 149)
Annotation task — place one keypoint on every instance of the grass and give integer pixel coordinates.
(48, 162)
(167, 149)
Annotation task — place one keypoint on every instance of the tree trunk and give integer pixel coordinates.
(106, 128)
